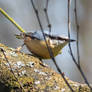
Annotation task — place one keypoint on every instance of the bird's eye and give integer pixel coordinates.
(22, 35)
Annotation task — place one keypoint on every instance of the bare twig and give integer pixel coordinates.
(49, 49)
(12, 20)
(47, 17)
(37, 15)
(74, 60)
(11, 70)
(77, 29)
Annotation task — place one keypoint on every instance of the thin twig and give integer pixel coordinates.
(77, 29)
(74, 60)
(37, 15)
(12, 20)
(47, 17)
(49, 49)
(11, 70)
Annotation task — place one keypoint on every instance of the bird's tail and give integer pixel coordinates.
(60, 38)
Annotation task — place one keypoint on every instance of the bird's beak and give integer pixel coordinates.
(20, 36)
(70, 40)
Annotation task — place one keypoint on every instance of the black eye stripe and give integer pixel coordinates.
(36, 35)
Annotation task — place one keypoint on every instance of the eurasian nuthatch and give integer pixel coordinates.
(35, 41)
(36, 44)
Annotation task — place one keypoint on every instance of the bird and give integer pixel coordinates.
(36, 43)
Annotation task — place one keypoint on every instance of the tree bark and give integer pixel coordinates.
(27, 73)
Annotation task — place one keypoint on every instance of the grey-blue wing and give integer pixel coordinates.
(36, 35)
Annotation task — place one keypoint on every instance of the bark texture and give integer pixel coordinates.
(32, 75)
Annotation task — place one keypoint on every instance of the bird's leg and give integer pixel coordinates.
(40, 59)
(37, 57)
(19, 48)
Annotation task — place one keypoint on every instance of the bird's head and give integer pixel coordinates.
(20, 36)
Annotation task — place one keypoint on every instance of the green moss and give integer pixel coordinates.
(48, 82)
(12, 83)
(9, 79)
(26, 81)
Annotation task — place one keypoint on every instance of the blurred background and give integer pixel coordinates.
(22, 12)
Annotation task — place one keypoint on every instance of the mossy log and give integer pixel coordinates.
(32, 75)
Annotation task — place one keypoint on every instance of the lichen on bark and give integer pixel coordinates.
(32, 75)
